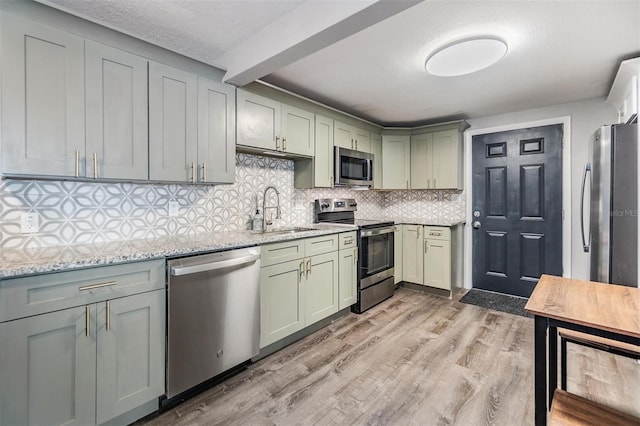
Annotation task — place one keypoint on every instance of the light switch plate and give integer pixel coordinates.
(30, 223)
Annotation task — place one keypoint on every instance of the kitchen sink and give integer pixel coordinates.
(284, 231)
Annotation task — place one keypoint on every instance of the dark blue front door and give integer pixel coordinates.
(517, 208)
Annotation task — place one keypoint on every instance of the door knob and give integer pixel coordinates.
(477, 224)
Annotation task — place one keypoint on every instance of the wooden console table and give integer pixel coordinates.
(604, 310)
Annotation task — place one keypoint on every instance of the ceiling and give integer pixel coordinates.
(366, 57)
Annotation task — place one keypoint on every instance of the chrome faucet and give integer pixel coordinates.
(266, 222)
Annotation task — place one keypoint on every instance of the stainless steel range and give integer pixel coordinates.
(375, 248)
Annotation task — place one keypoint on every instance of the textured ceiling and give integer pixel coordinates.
(559, 51)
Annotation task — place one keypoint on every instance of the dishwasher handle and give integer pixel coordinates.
(212, 266)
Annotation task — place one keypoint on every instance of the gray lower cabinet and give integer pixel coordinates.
(348, 269)
(412, 257)
(298, 285)
(85, 364)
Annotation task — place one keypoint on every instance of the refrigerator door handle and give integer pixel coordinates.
(585, 246)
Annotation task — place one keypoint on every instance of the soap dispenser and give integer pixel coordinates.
(257, 221)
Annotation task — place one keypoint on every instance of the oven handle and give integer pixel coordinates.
(380, 231)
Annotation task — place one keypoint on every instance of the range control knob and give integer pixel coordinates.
(353, 205)
(324, 206)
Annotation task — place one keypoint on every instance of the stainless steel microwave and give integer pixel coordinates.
(352, 168)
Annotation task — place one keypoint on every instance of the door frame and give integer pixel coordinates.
(566, 189)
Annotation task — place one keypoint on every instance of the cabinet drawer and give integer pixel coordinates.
(437, 233)
(347, 240)
(320, 245)
(281, 252)
(27, 296)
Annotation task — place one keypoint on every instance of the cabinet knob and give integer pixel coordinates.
(477, 224)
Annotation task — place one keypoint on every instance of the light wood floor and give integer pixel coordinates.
(416, 359)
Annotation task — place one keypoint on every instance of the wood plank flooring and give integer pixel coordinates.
(416, 359)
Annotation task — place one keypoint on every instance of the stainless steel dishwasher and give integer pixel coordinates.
(213, 315)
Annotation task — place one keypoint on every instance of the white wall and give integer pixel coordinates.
(586, 117)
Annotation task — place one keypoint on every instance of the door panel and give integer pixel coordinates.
(321, 287)
(47, 369)
(117, 121)
(173, 121)
(517, 204)
(42, 99)
(130, 359)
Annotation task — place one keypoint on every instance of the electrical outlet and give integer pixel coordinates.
(174, 207)
(30, 223)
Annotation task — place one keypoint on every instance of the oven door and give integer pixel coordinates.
(352, 167)
(376, 255)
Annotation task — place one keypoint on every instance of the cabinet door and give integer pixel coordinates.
(412, 257)
(47, 369)
(216, 132)
(348, 269)
(258, 121)
(376, 150)
(395, 162)
(343, 135)
(447, 160)
(130, 357)
(362, 140)
(321, 287)
(421, 161)
(116, 105)
(298, 131)
(42, 99)
(282, 296)
(173, 120)
(437, 264)
(398, 246)
(323, 160)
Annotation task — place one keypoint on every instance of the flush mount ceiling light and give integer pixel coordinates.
(465, 56)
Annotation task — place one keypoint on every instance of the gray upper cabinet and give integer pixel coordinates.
(351, 137)
(173, 124)
(436, 160)
(258, 121)
(265, 124)
(216, 132)
(395, 162)
(116, 113)
(42, 99)
(376, 150)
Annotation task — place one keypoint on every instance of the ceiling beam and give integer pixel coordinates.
(310, 27)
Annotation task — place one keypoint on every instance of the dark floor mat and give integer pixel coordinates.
(496, 301)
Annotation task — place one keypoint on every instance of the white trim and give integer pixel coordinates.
(566, 189)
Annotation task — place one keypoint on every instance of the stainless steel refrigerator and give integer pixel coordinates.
(612, 238)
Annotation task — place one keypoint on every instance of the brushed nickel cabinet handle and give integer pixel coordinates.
(301, 269)
(277, 144)
(193, 171)
(308, 267)
(428, 183)
(87, 324)
(284, 144)
(92, 286)
(77, 163)
(108, 316)
(425, 245)
(204, 171)
(355, 256)
(95, 165)
(434, 183)
(353, 146)
(356, 144)
(418, 233)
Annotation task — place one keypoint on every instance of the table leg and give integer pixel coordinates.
(553, 362)
(540, 370)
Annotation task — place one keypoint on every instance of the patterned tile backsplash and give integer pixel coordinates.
(83, 212)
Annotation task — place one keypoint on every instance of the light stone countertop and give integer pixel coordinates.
(30, 261)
